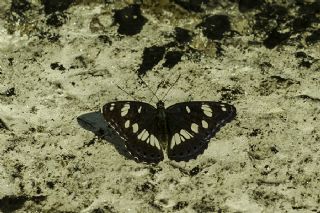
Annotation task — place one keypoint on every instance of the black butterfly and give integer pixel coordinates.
(183, 130)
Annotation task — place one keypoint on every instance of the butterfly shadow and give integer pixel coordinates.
(95, 122)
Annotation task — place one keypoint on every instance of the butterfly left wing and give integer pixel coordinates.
(191, 125)
(134, 122)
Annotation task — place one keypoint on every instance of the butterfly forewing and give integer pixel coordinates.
(135, 123)
(192, 124)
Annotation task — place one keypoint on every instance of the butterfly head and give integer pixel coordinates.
(160, 105)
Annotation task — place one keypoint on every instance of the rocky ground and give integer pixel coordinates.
(61, 61)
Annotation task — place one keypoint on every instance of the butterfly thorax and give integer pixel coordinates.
(161, 123)
(160, 105)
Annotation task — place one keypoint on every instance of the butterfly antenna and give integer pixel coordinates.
(126, 92)
(171, 87)
(154, 94)
(162, 82)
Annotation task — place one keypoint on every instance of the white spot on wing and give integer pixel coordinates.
(185, 134)
(188, 109)
(111, 106)
(195, 128)
(204, 124)
(224, 108)
(206, 110)
(125, 110)
(135, 128)
(145, 136)
(154, 142)
(139, 110)
(177, 138)
(172, 144)
(127, 124)
(141, 134)
(152, 139)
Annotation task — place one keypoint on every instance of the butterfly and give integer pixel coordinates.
(182, 130)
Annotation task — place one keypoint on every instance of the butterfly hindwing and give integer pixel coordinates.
(134, 122)
(192, 124)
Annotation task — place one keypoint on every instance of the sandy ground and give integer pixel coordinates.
(60, 63)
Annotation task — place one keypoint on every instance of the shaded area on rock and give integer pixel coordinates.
(180, 205)
(314, 37)
(95, 122)
(105, 39)
(146, 187)
(247, 5)
(20, 6)
(51, 6)
(50, 36)
(9, 92)
(182, 35)
(275, 83)
(12, 203)
(301, 23)
(270, 17)
(172, 58)
(57, 66)
(231, 93)
(305, 60)
(215, 26)
(56, 19)
(309, 98)
(192, 5)
(309, 8)
(275, 38)
(130, 20)
(151, 57)
(277, 21)
(3, 125)
(194, 171)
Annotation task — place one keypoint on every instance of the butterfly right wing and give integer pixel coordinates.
(134, 122)
(191, 125)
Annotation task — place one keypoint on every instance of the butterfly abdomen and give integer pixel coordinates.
(161, 124)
